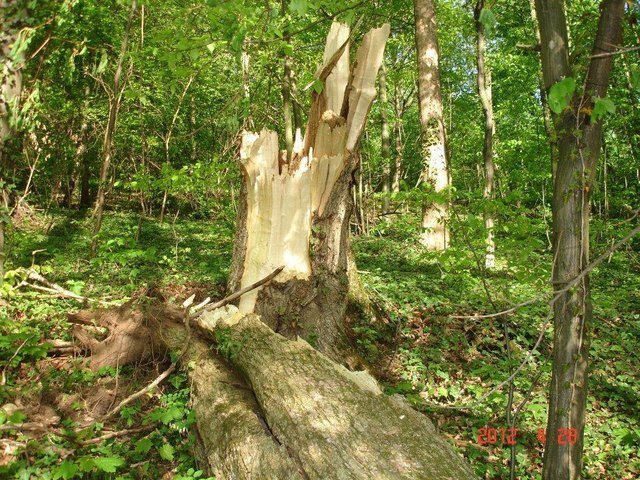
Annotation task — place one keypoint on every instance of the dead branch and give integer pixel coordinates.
(140, 393)
(25, 427)
(237, 294)
(57, 290)
(118, 433)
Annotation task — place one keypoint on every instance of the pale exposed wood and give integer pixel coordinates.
(368, 61)
(278, 215)
(283, 197)
(337, 80)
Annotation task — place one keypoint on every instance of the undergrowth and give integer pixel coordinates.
(422, 350)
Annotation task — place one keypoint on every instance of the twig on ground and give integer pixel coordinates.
(140, 393)
(118, 433)
(25, 427)
(57, 290)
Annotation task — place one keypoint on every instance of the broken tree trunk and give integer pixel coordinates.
(295, 213)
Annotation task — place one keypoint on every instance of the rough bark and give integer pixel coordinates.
(296, 213)
(336, 422)
(234, 440)
(107, 144)
(486, 99)
(434, 144)
(546, 111)
(579, 147)
(277, 408)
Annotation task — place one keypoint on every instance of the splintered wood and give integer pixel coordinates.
(283, 199)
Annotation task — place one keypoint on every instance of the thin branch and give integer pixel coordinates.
(3, 378)
(545, 325)
(616, 52)
(558, 293)
(528, 356)
(57, 290)
(239, 293)
(140, 393)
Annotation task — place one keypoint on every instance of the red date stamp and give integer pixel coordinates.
(508, 436)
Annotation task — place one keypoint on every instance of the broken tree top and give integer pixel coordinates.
(284, 197)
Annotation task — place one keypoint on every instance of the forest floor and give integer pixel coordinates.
(421, 350)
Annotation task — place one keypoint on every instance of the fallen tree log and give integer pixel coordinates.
(234, 441)
(277, 408)
(337, 423)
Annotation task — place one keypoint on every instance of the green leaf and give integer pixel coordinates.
(108, 464)
(318, 86)
(488, 20)
(635, 78)
(143, 445)
(601, 107)
(65, 470)
(166, 452)
(560, 94)
(17, 417)
(86, 464)
(103, 62)
(299, 7)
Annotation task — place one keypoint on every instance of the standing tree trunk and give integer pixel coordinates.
(107, 144)
(245, 61)
(397, 164)
(546, 111)
(296, 213)
(435, 234)
(579, 139)
(386, 143)
(287, 80)
(166, 141)
(486, 98)
(401, 102)
(11, 17)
